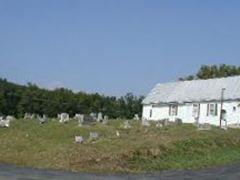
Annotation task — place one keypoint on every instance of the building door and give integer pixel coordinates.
(196, 112)
(224, 117)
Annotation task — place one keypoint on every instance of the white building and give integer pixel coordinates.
(195, 101)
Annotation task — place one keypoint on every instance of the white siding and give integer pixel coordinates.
(160, 111)
(185, 112)
(146, 111)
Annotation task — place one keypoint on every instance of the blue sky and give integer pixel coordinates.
(113, 46)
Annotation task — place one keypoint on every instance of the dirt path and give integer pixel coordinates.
(8, 172)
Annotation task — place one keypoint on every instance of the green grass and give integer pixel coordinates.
(139, 149)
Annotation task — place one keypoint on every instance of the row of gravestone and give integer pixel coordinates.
(177, 122)
(162, 123)
(41, 119)
(64, 117)
(5, 121)
(93, 136)
(83, 118)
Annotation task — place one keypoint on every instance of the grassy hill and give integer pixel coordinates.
(139, 149)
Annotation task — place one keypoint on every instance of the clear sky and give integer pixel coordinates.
(115, 46)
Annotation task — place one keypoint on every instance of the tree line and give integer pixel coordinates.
(20, 99)
(213, 71)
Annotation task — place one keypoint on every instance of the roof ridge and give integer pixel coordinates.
(195, 80)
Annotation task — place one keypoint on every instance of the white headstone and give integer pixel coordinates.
(136, 117)
(100, 117)
(93, 135)
(4, 123)
(79, 139)
(43, 119)
(105, 119)
(79, 117)
(145, 122)
(93, 115)
(27, 116)
(126, 125)
(159, 124)
(117, 134)
(204, 127)
(33, 116)
(10, 118)
(64, 118)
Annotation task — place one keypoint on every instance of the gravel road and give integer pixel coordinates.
(9, 172)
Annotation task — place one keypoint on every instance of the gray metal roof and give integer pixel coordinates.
(195, 91)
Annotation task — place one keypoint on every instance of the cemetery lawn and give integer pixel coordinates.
(139, 149)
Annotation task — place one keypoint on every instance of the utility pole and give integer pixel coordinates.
(222, 99)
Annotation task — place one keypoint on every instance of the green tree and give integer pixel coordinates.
(214, 71)
(17, 99)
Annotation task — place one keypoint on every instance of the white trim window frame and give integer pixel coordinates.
(173, 110)
(212, 109)
(195, 110)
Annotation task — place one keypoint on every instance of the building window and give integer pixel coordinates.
(234, 108)
(150, 113)
(212, 109)
(196, 110)
(173, 110)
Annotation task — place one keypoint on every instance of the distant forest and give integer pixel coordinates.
(20, 99)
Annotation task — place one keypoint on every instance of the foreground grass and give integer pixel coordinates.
(139, 149)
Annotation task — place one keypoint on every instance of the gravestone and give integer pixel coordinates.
(10, 118)
(93, 135)
(93, 115)
(100, 117)
(43, 119)
(145, 122)
(80, 119)
(117, 134)
(45, 116)
(88, 119)
(76, 117)
(234, 126)
(79, 139)
(4, 123)
(64, 117)
(159, 124)
(33, 116)
(126, 125)
(204, 127)
(105, 120)
(165, 122)
(136, 117)
(27, 116)
(178, 121)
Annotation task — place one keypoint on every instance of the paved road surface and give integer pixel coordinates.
(8, 172)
